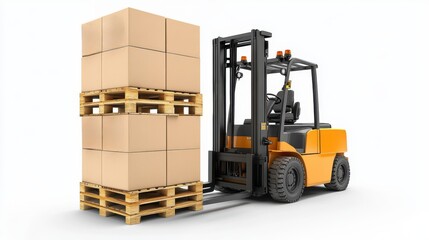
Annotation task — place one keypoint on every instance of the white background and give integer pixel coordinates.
(373, 81)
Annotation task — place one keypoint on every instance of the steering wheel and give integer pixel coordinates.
(275, 98)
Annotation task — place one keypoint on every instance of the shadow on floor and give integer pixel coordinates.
(182, 213)
(309, 192)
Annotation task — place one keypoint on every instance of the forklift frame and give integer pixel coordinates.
(257, 160)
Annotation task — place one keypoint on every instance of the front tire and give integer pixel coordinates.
(340, 174)
(286, 179)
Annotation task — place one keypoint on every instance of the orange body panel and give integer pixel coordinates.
(320, 150)
(333, 141)
(312, 142)
(285, 147)
(318, 168)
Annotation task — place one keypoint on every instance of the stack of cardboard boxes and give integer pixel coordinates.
(145, 149)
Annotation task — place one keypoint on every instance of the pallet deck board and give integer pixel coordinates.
(196, 185)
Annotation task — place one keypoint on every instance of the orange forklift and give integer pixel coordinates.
(270, 153)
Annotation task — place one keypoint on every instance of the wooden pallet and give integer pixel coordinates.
(134, 204)
(127, 106)
(191, 102)
(139, 100)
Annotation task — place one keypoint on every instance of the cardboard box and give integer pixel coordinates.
(91, 37)
(182, 38)
(91, 166)
(91, 72)
(131, 27)
(134, 133)
(132, 171)
(130, 66)
(92, 132)
(183, 132)
(183, 73)
(183, 166)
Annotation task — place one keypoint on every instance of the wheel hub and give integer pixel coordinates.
(341, 173)
(291, 179)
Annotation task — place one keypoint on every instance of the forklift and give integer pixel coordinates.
(270, 153)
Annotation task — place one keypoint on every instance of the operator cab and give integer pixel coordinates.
(281, 110)
(295, 133)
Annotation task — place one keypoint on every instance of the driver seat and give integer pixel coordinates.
(293, 109)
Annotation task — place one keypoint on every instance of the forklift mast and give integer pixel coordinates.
(254, 180)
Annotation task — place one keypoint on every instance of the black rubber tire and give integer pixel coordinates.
(340, 174)
(225, 189)
(286, 179)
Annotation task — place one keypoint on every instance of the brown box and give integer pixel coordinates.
(131, 27)
(92, 132)
(91, 37)
(182, 38)
(132, 171)
(183, 132)
(183, 73)
(134, 133)
(91, 166)
(183, 166)
(91, 72)
(130, 66)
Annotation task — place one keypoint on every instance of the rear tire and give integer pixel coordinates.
(340, 174)
(286, 179)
